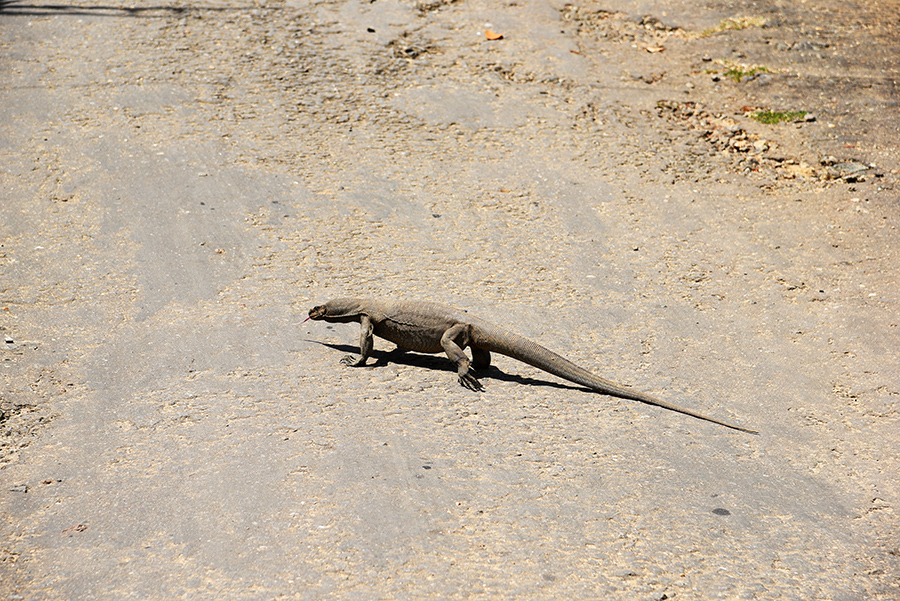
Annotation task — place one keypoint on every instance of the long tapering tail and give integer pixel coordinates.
(532, 353)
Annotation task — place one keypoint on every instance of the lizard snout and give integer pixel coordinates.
(318, 312)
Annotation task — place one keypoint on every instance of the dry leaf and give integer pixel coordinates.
(654, 49)
(492, 35)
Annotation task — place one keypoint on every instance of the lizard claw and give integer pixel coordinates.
(352, 361)
(469, 381)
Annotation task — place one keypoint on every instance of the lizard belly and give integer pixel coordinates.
(411, 338)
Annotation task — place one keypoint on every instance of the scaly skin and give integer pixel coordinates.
(433, 328)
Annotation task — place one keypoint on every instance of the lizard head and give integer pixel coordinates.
(318, 312)
(340, 310)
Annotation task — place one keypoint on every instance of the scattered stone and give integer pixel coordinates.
(76, 528)
(751, 154)
(19, 488)
(849, 171)
(851, 167)
(617, 26)
(793, 170)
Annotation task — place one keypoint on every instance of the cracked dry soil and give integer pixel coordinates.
(182, 181)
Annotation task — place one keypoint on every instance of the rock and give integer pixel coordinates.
(850, 168)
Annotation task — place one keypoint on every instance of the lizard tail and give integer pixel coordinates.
(528, 351)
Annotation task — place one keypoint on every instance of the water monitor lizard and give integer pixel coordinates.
(432, 328)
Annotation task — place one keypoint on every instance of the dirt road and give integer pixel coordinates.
(700, 201)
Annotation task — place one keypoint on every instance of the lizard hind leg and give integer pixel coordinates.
(454, 340)
(481, 359)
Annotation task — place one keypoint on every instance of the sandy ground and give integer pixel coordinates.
(182, 182)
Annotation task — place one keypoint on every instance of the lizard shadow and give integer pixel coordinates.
(439, 362)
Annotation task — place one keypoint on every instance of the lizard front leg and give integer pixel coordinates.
(456, 354)
(366, 343)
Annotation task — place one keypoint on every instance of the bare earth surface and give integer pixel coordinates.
(181, 182)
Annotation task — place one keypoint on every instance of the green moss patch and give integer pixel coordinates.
(738, 72)
(775, 117)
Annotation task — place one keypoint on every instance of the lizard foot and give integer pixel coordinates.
(353, 361)
(469, 381)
